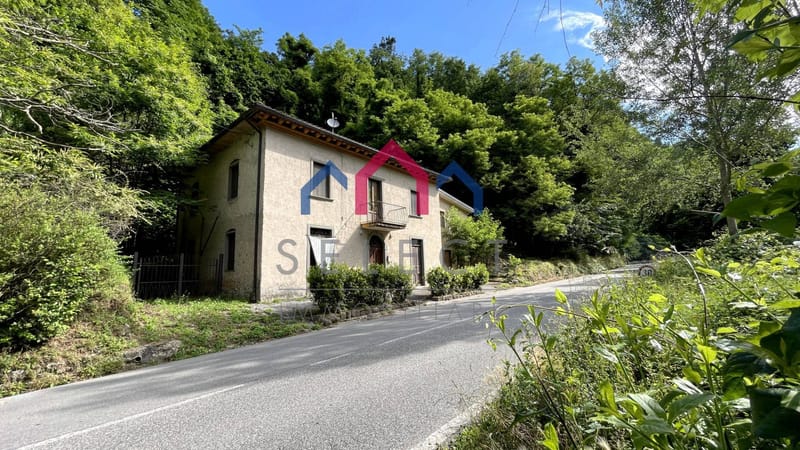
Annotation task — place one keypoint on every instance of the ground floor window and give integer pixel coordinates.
(316, 240)
(230, 238)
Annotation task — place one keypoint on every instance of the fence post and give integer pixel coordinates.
(136, 273)
(180, 275)
(219, 273)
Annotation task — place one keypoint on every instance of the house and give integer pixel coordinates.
(278, 195)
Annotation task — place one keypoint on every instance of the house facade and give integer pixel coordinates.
(278, 195)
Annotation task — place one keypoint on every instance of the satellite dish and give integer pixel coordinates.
(332, 122)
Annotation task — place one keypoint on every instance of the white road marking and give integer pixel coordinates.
(423, 331)
(128, 418)
(330, 359)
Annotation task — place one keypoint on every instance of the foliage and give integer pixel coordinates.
(772, 200)
(749, 246)
(447, 281)
(54, 258)
(390, 281)
(771, 29)
(472, 239)
(701, 359)
(342, 286)
(693, 89)
(524, 272)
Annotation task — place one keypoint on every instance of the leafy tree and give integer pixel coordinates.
(345, 81)
(386, 63)
(471, 239)
(692, 87)
(188, 23)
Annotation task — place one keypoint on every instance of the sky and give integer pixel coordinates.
(478, 31)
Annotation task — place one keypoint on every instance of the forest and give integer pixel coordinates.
(105, 104)
(685, 142)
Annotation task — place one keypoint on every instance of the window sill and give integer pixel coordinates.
(324, 199)
(415, 216)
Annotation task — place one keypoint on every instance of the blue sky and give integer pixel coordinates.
(470, 29)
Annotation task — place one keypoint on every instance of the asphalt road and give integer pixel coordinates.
(384, 383)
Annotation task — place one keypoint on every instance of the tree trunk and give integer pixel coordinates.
(725, 191)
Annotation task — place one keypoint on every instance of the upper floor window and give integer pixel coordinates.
(323, 189)
(414, 205)
(233, 180)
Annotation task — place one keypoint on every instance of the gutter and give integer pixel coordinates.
(256, 296)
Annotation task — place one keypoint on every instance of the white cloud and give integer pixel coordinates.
(577, 25)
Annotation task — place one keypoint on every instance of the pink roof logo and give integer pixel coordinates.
(392, 150)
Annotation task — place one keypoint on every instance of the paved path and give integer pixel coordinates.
(383, 383)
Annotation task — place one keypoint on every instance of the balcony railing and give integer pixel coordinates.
(385, 216)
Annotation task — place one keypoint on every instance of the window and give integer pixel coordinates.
(323, 189)
(230, 238)
(233, 180)
(413, 211)
(319, 240)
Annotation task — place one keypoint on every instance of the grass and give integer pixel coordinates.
(95, 344)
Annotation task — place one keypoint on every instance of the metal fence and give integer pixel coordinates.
(175, 275)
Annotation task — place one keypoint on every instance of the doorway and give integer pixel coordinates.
(377, 254)
(418, 262)
(375, 200)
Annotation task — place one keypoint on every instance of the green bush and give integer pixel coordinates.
(342, 286)
(443, 281)
(327, 287)
(478, 275)
(389, 283)
(54, 259)
(357, 290)
(747, 246)
(440, 280)
(657, 362)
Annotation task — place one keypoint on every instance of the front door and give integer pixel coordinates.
(417, 262)
(376, 253)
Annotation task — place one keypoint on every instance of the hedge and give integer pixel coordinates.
(341, 286)
(446, 281)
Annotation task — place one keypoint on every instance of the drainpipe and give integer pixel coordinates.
(256, 297)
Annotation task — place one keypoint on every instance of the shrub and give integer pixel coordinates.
(443, 281)
(389, 283)
(343, 286)
(326, 286)
(54, 259)
(357, 290)
(747, 246)
(440, 280)
(479, 275)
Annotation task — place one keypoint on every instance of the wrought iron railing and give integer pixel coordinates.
(385, 215)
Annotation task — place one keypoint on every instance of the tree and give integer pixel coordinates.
(472, 239)
(345, 81)
(692, 88)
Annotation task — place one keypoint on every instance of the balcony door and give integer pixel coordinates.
(376, 200)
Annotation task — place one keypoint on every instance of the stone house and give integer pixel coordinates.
(278, 195)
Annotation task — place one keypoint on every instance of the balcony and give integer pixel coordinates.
(385, 217)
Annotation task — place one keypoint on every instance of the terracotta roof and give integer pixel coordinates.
(262, 116)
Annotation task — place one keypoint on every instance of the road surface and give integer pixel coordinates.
(390, 382)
